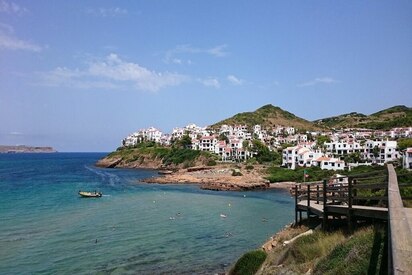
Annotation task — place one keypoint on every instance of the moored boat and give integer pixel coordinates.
(86, 194)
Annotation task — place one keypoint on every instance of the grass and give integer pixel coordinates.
(363, 253)
(304, 253)
(249, 263)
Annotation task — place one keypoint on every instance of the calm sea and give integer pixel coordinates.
(136, 228)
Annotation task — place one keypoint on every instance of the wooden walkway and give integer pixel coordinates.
(357, 210)
(400, 228)
(346, 201)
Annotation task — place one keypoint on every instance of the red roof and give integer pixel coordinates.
(322, 158)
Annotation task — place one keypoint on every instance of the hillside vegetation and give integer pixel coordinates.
(336, 252)
(397, 116)
(268, 116)
(152, 155)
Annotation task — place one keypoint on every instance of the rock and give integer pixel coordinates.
(108, 162)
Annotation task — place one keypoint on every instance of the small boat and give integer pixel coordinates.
(223, 216)
(165, 172)
(86, 194)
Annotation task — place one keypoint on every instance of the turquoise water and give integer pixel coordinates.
(134, 228)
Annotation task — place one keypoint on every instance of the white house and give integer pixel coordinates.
(342, 148)
(381, 151)
(207, 143)
(407, 158)
(299, 156)
(327, 163)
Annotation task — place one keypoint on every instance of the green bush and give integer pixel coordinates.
(236, 172)
(211, 162)
(249, 167)
(249, 263)
(279, 174)
(177, 156)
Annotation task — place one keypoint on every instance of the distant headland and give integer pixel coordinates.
(25, 149)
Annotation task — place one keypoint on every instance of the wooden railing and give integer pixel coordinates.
(354, 200)
(400, 231)
(349, 194)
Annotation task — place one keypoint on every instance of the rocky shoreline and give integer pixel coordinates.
(222, 177)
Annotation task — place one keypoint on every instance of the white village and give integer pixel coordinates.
(330, 150)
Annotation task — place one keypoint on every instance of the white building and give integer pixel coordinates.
(407, 158)
(342, 148)
(299, 156)
(207, 143)
(326, 163)
(381, 151)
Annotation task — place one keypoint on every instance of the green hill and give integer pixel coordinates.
(397, 116)
(268, 116)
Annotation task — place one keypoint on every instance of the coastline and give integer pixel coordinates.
(219, 180)
(221, 177)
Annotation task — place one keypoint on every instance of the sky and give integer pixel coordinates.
(82, 75)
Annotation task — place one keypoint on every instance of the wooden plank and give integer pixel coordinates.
(400, 229)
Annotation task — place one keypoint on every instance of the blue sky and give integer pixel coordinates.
(81, 75)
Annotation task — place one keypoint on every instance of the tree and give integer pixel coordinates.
(263, 154)
(404, 143)
(185, 142)
(353, 158)
(224, 137)
(320, 140)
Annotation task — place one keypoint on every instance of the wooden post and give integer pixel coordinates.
(325, 214)
(296, 205)
(350, 228)
(300, 212)
(317, 193)
(308, 211)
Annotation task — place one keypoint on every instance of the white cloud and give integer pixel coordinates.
(320, 80)
(107, 12)
(234, 80)
(64, 77)
(218, 51)
(11, 8)
(112, 73)
(16, 133)
(9, 42)
(177, 61)
(210, 82)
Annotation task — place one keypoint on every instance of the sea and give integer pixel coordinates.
(135, 228)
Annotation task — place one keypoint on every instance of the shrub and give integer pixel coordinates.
(211, 162)
(236, 173)
(249, 263)
(249, 167)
